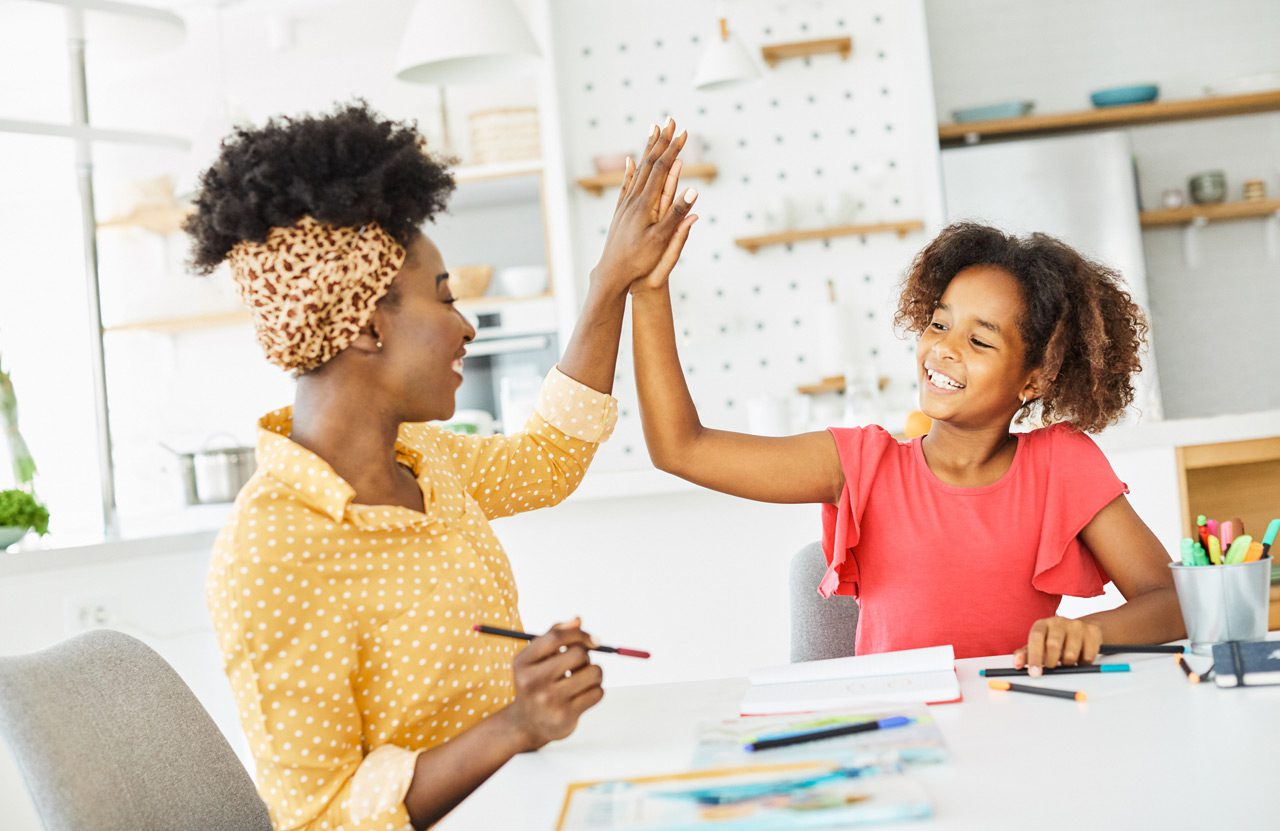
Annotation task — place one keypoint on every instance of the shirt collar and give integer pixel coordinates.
(310, 477)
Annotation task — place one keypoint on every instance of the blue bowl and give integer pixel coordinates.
(988, 112)
(1119, 96)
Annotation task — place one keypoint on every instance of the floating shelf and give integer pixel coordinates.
(499, 170)
(184, 324)
(1126, 116)
(1212, 213)
(596, 184)
(902, 228)
(238, 317)
(806, 48)
(836, 383)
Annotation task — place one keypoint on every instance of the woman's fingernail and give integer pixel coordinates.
(690, 195)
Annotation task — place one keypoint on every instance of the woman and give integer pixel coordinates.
(344, 587)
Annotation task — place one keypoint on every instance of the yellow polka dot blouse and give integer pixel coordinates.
(345, 628)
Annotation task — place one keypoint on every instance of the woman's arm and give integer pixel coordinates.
(646, 218)
(802, 468)
(1136, 561)
(547, 707)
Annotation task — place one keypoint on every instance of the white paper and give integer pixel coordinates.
(928, 659)
(914, 676)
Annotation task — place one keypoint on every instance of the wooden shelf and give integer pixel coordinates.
(1125, 116)
(596, 184)
(1212, 213)
(777, 52)
(902, 228)
(499, 170)
(184, 324)
(238, 317)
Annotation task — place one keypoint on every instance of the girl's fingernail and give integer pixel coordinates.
(690, 195)
(670, 121)
(1034, 672)
(653, 129)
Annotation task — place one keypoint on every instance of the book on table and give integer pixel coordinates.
(725, 743)
(912, 676)
(809, 795)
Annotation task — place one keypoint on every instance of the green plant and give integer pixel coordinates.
(19, 509)
(24, 467)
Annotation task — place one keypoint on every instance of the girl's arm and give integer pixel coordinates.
(1136, 561)
(802, 468)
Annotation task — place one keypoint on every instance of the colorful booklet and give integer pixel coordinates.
(1246, 664)
(808, 795)
(912, 676)
(724, 743)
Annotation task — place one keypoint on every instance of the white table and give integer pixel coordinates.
(1148, 750)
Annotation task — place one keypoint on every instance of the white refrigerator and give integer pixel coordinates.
(1079, 189)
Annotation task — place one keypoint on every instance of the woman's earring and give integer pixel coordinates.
(379, 345)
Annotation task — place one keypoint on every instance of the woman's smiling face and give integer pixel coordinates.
(971, 359)
(423, 336)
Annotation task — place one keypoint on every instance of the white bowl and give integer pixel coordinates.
(523, 280)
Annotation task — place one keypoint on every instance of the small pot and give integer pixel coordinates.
(214, 474)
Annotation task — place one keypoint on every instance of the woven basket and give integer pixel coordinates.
(504, 135)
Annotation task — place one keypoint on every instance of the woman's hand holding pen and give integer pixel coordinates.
(649, 216)
(1058, 641)
(555, 684)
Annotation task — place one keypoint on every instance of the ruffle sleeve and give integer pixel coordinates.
(1080, 483)
(860, 450)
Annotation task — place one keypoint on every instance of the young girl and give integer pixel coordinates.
(972, 534)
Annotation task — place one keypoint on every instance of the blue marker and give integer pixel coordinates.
(1273, 528)
(827, 733)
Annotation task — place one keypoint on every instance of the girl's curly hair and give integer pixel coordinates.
(347, 168)
(1080, 327)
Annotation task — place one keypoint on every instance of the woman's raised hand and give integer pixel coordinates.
(650, 223)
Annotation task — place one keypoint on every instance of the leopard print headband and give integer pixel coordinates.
(311, 288)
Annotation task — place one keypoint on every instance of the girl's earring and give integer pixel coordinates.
(1021, 398)
(379, 345)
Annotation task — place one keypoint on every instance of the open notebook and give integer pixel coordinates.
(913, 676)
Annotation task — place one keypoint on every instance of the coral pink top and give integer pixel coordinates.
(931, 563)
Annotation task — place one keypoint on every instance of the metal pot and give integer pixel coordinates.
(214, 474)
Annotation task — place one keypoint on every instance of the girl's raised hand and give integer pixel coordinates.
(1058, 641)
(648, 218)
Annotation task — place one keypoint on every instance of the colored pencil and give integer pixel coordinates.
(827, 733)
(525, 636)
(1156, 648)
(1000, 672)
(1026, 688)
(1192, 676)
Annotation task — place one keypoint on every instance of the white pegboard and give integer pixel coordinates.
(841, 141)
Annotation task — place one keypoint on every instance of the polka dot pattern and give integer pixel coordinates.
(345, 629)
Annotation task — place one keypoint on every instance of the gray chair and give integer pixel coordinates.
(109, 738)
(820, 628)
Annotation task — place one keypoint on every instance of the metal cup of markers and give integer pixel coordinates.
(1223, 603)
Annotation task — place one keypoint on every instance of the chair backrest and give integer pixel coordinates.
(820, 627)
(109, 738)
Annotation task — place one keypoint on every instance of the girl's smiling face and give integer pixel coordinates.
(970, 358)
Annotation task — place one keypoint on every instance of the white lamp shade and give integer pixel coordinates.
(724, 63)
(456, 41)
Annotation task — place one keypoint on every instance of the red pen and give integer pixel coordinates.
(525, 636)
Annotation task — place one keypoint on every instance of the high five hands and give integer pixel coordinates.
(652, 219)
